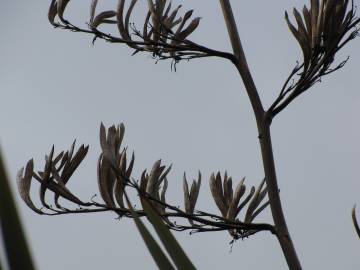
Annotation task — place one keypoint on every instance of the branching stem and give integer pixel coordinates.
(263, 121)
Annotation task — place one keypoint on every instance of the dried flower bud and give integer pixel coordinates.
(190, 197)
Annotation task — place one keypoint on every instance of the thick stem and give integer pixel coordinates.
(263, 124)
(283, 235)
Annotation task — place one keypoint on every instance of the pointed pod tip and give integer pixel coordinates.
(157, 163)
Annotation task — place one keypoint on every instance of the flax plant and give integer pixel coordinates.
(321, 30)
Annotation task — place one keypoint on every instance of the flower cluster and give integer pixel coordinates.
(322, 30)
(114, 176)
(164, 33)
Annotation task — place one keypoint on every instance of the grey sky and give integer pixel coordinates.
(57, 87)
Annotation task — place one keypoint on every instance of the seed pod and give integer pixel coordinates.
(315, 22)
(24, 185)
(103, 17)
(52, 12)
(153, 177)
(228, 192)
(301, 38)
(106, 181)
(217, 193)
(61, 5)
(187, 202)
(92, 10)
(307, 19)
(256, 200)
(239, 192)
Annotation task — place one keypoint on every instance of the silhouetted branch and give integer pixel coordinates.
(321, 32)
(114, 176)
(164, 33)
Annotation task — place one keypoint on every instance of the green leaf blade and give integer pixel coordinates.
(171, 245)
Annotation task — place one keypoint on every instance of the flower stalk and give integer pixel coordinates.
(263, 124)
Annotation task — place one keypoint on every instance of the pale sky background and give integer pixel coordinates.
(56, 87)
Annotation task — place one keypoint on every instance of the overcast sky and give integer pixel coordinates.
(56, 87)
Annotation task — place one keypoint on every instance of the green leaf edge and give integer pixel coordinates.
(17, 252)
(155, 250)
(171, 245)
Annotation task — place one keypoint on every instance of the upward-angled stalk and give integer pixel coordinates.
(263, 124)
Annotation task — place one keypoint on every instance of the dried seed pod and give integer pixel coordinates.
(119, 191)
(123, 24)
(228, 192)
(233, 206)
(103, 17)
(302, 40)
(52, 12)
(24, 185)
(315, 19)
(92, 10)
(153, 178)
(326, 24)
(190, 197)
(247, 199)
(61, 5)
(143, 181)
(131, 166)
(110, 143)
(307, 19)
(187, 202)
(254, 203)
(127, 17)
(189, 29)
(60, 189)
(106, 181)
(123, 178)
(45, 177)
(217, 193)
(151, 184)
(162, 207)
(194, 191)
